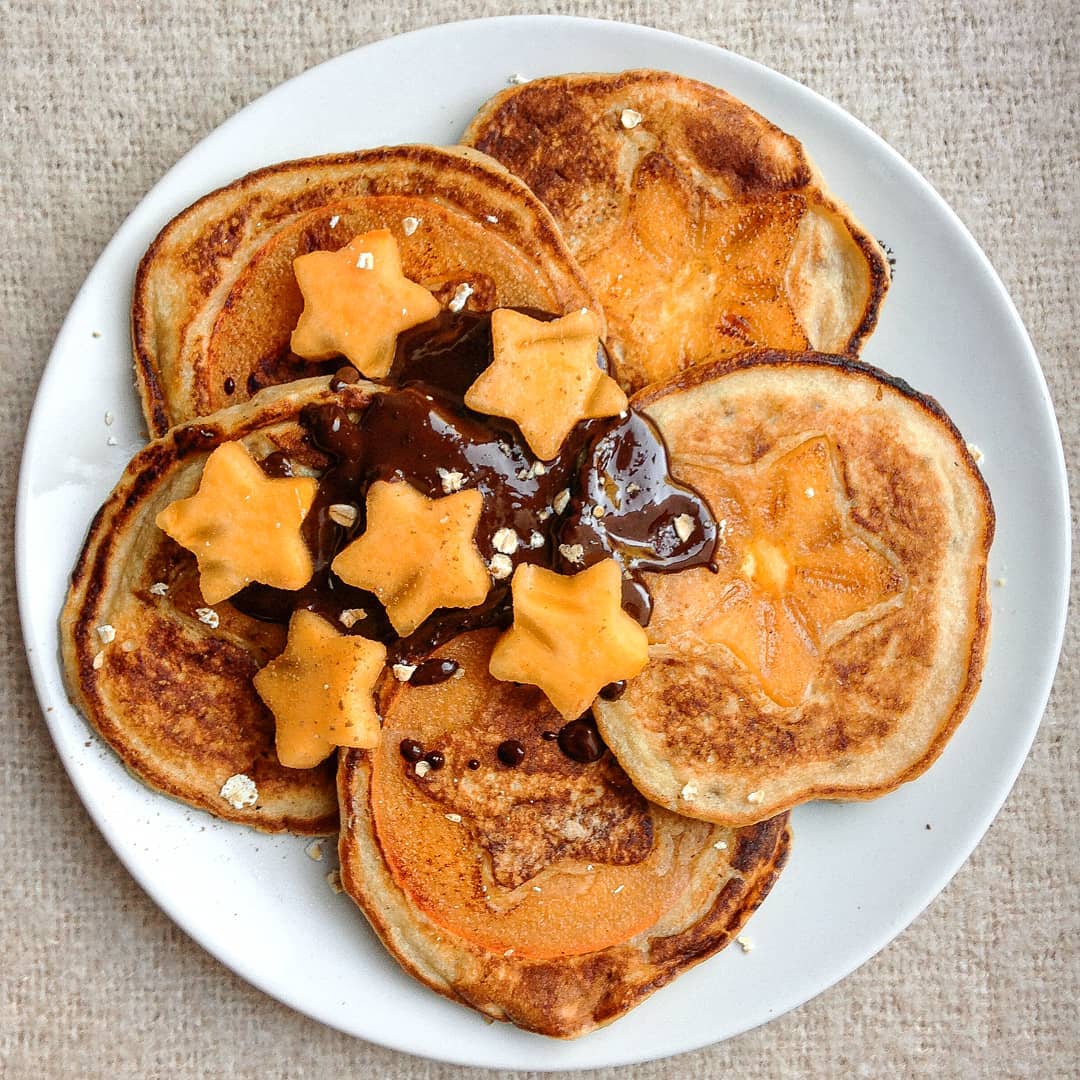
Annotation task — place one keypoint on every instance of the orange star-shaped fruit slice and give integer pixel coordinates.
(417, 554)
(320, 691)
(242, 525)
(570, 635)
(356, 302)
(798, 569)
(545, 378)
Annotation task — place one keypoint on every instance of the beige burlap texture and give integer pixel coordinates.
(98, 100)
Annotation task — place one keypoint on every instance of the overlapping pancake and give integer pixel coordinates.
(522, 874)
(165, 679)
(841, 639)
(216, 299)
(703, 228)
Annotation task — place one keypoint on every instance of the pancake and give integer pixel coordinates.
(171, 694)
(216, 299)
(550, 893)
(842, 638)
(703, 228)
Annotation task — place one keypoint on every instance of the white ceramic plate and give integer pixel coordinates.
(859, 873)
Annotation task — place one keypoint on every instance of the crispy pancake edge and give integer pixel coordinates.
(643, 765)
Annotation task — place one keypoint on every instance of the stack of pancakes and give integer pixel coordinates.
(829, 651)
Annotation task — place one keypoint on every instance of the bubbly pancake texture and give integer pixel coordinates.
(534, 886)
(841, 638)
(169, 684)
(703, 228)
(216, 298)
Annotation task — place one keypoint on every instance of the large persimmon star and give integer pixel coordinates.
(417, 554)
(545, 378)
(797, 570)
(570, 635)
(242, 525)
(320, 690)
(356, 302)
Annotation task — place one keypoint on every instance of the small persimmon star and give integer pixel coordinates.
(545, 378)
(570, 635)
(356, 302)
(320, 690)
(417, 554)
(242, 525)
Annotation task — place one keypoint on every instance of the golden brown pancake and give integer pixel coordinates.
(703, 228)
(170, 693)
(842, 638)
(216, 298)
(550, 893)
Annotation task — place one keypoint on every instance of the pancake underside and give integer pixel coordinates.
(890, 676)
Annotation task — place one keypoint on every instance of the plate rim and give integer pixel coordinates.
(39, 665)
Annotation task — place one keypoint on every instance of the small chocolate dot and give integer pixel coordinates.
(511, 752)
(230, 385)
(549, 736)
(473, 763)
(435, 759)
(614, 690)
(411, 750)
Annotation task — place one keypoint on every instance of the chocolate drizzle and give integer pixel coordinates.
(421, 432)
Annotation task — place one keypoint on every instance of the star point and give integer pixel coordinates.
(242, 525)
(570, 635)
(417, 554)
(356, 302)
(545, 378)
(320, 690)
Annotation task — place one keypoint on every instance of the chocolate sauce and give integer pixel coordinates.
(411, 750)
(511, 753)
(421, 432)
(614, 690)
(277, 464)
(435, 759)
(434, 671)
(627, 506)
(580, 741)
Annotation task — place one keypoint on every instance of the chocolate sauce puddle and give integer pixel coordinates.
(421, 432)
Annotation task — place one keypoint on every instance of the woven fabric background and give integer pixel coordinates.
(98, 100)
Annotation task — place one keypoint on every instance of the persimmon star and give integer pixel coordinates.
(356, 302)
(242, 525)
(796, 568)
(417, 554)
(320, 690)
(570, 635)
(545, 378)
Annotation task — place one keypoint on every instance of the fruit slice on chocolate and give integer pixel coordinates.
(545, 378)
(356, 302)
(242, 525)
(548, 892)
(570, 636)
(417, 554)
(839, 638)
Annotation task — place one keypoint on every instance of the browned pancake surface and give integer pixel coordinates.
(841, 639)
(703, 228)
(216, 298)
(171, 694)
(550, 894)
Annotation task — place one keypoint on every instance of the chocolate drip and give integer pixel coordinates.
(422, 433)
